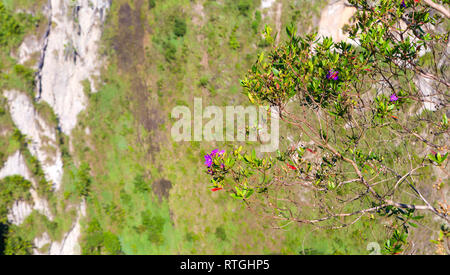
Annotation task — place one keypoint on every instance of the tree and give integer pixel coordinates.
(371, 138)
(98, 242)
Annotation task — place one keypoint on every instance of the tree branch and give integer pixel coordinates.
(438, 7)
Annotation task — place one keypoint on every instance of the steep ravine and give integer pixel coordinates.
(68, 56)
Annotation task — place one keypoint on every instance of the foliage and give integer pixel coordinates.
(44, 188)
(180, 27)
(257, 21)
(16, 244)
(83, 181)
(244, 6)
(234, 43)
(13, 188)
(352, 105)
(151, 4)
(141, 185)
(98, 242)
(153, 225)
(25, 73)
(13, 26)
(111, 244)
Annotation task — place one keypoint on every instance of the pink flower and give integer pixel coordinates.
(209, 157)
(393, 97)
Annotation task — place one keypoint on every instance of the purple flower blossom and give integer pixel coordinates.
(393, 97)
(403, 4)
(332, 74)
(209, 157)
(208, 160)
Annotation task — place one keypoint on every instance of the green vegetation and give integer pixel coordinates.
(98, 242)
(180, 27)
(13, 26)
(13, 188)
(15, 244)
(148, 195)
(83, 182)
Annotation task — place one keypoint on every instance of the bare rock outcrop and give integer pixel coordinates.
(43, 140)
(71, 57)
(333, 18)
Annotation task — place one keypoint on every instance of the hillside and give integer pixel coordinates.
(87, 161)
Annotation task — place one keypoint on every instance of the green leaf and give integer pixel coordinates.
(412, 224)
(275, 71)
(249, 193)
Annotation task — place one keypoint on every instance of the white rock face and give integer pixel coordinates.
(266, 4)
(15, 165)
(40, 242)
(333, 18)
(429, 97)
(43, 138)
(71, 56)
(29, 46)
(19, 212)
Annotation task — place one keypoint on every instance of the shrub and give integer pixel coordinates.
(93, 239)
(111, 244)
(233, 42)
(13, 26)
(257, 21)
(169, 50)
(244, 6)
(141, 185)
(83, 180)
(179, 27)
(17, 245)
(151, 4)
(154, 226)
